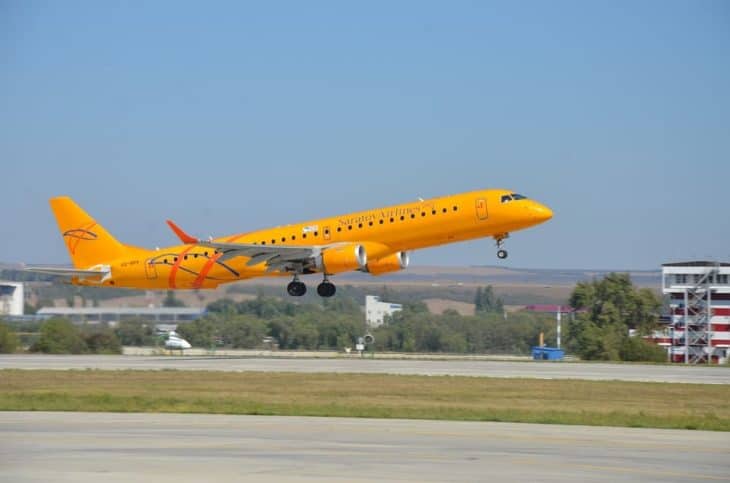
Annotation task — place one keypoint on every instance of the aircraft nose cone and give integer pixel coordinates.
(541, 213)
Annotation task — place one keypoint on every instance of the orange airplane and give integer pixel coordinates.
(374, 241)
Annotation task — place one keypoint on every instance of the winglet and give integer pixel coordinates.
(184, 237)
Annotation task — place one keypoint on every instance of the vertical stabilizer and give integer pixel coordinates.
(88, 243)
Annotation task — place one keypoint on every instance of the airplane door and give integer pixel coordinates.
(150, 269)
(481, 205)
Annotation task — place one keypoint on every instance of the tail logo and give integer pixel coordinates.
(77, 235)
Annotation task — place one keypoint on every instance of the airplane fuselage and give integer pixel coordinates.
(381, 232)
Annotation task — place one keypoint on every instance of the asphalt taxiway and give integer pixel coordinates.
(478, 368)
(90, 447)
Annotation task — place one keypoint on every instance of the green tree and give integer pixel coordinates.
(171, 301)
(486, 301)
(612, 306)
(8, 339)
(201, 332)
(59, 336)
(244, 332)
(134, 332)
(103, 341)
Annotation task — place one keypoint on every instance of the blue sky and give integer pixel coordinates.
(232, 116)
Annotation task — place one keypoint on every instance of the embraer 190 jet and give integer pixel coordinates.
(375, 241)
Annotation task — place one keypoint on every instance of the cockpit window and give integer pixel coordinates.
(506, 198)
(515, 196)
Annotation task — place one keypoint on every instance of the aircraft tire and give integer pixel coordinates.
(296, 289)
(326, 289)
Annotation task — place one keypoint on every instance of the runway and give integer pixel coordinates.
(89, 447)
(479, 368)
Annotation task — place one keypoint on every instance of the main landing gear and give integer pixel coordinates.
(501, 253)
(326, 288)
(297, 288)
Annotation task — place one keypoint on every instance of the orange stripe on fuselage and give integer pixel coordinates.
(211, 261)
(176, 266)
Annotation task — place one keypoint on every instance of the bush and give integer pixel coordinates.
(59, 336)
(103, 342)
(8, 339)
(135, 332)
(637, 349)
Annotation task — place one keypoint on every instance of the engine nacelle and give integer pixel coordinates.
(391, 263)
(343, 258)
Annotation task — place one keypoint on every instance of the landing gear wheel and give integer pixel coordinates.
(501, 253)
(326, 289)
(296, 288)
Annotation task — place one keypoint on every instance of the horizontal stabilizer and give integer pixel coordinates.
(102, 271)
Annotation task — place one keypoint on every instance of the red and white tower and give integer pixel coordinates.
(698, 324)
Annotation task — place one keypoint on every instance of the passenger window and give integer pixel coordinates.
(456, 208)
(444, 210)
(381, 221)
(413, 215)
(433, 212)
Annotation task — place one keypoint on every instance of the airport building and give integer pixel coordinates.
(375, 310)
(12, 299)
(697, 327)
(113, 315)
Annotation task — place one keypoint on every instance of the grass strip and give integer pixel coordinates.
(598, 403)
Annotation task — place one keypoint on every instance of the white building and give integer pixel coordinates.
(113, 315)
(375, 310)
(698, 324)
(11, 298)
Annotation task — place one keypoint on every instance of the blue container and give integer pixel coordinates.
(547, 353)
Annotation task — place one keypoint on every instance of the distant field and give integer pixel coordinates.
(599, 403)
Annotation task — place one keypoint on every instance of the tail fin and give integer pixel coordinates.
(87, 241)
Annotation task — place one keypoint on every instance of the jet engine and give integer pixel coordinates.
(343, 258)
(391, 263)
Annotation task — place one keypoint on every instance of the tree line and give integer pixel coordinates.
(599, 330)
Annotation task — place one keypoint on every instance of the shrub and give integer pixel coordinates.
(59, 336)
(8, 339)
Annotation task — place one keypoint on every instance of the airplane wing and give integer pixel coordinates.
(280, 257)
(276, 257)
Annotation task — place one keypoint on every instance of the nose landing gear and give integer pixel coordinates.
(499, 239)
